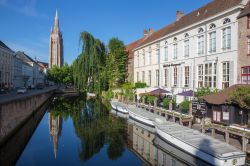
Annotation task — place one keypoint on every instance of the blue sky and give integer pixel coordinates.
(25, 24)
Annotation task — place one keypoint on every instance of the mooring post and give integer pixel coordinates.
(173, 118)
(213, 132)
(190, 123)
(227, 136)
(203, 125)
(244, 143)
(181, 123)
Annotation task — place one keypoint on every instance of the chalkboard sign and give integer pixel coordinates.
(198, 108)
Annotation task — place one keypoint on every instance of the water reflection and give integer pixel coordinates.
(76, 132)
(55, 129)
(93, 126)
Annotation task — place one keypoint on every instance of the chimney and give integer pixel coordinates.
(150, 31)
(179, 15)
(145, 32)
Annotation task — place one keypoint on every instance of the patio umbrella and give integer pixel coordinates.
(158, 92)
(188, 93)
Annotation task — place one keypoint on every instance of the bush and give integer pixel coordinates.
(166, 102)
(151, 99)
(184, 106)
(140, 85)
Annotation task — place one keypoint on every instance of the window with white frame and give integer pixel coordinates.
(226, 38)
(138, 61)
(149, 57)
(166, 53)
(187, 76)
(149, 77)
(215, 75)
(216, 116)
(143, 57)
(201, 44)
(165, 77)
(158, 56)
(157, 78)
(137, 77)
(200, 76)
(143, 76)
(175, 51)
(212, 42)
(225, 74)
(175, 76)
(248, 45)
(186, 48)
(208, 75)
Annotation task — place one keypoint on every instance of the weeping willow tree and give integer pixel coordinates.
(88, 69)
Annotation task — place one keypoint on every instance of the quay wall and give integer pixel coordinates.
(13, 114)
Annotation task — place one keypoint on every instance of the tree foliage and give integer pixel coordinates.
(241, 96)
(204, 91)
(61, 75)
(88, 68)
(116, 63)
(140, 85)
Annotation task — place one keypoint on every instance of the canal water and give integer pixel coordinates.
(76, 131)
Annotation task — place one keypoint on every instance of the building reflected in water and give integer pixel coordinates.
(141, 141)
(55, 129)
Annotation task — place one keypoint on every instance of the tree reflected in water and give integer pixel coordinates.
(93, 125)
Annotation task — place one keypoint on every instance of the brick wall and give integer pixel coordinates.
(243, 57)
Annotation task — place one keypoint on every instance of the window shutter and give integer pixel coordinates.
(231, 73)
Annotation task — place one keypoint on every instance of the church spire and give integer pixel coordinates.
(56, 26)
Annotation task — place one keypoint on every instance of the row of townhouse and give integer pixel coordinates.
(17, 69)
(208, 47)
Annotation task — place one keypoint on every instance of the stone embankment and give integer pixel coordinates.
(17, 110)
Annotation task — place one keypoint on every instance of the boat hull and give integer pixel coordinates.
(141, 119)
(237, 160)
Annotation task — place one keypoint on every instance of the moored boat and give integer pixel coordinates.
(203, 147)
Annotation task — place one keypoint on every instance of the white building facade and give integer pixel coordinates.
(6, 66)
(187, 56)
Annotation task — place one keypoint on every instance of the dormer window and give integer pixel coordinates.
(201, 30)
(212, 26)
(226, 20)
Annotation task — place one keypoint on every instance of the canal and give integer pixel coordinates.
(76, 131)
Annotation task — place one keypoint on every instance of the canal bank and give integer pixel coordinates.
(16, 110)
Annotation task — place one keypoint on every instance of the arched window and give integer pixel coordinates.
(186, 35)
(200, 30)
(226, 20)
(211, 26)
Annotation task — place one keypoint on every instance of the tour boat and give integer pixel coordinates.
(199, 145)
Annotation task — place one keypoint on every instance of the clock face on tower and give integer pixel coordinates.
(56, 45)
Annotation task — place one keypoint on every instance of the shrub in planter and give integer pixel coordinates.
(140, 85)
(166, 102)
(151, 99)
(184, 106)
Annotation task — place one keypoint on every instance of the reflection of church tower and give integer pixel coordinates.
(55, 129)
(56, 45)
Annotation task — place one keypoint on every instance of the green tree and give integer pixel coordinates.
(116, 63)
(88, 68)
(166, 102)
(241, 97)
(61, 75)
